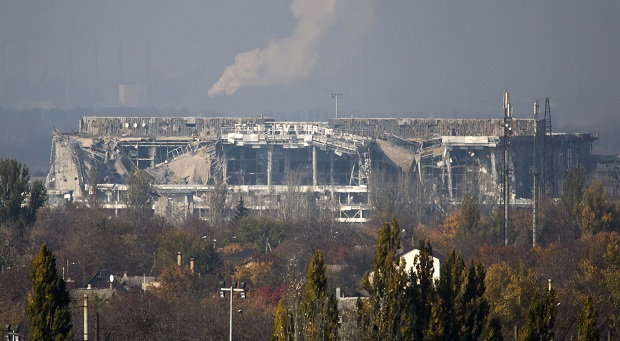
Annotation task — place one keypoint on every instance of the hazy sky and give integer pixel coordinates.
(388, 58)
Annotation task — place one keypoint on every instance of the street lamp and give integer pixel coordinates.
(12, 335)
(336, 96)
(233, 289)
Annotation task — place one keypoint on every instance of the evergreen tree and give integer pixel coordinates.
(540, 317)
(318, 307)
(586, 325)
(470, 214)
(474, 308)
(493, 330)
(15, 190)
(240, 211)
(280, 324)
(421, 290)
(461, 311)
(48, 303)
(384, 316)
(444, 320)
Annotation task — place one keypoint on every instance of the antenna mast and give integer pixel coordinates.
(549, 183)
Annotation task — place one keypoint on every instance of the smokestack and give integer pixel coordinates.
(179, 258)
(191, 264)
(85, 317)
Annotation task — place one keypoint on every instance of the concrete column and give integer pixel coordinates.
(449, 166)
(314, 166)
(493, 167)
(269, 164)
(186, 204)
(152, 154)
(242, 170)
(331, 168)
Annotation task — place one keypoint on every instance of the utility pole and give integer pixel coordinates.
(535, 171)
(507, 133)
(336, 96)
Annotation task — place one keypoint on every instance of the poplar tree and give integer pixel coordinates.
(461, 311)
(586, 325)
(48, 303)
(420, 293)
(318, 309)
(384, 315)
(540, 317)
(280, 324)
(444, 320)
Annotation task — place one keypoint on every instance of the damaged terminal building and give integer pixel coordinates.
(332, 163)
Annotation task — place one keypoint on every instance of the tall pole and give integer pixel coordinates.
(336, 96)
(232, 288)
(507, 132)
(85, 317)
(535, 171)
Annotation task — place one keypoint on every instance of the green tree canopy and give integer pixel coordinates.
(48, 303)
(587, 330)
(595, 214)
(15, 190)
(572, 193)
(140, 194)
(540, 317)
(384, 315)
(318, 306)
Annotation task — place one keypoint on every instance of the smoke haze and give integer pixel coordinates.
(285, 60)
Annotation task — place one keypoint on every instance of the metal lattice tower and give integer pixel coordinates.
(548, 179)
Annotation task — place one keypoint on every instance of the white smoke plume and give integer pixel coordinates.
(284, 60)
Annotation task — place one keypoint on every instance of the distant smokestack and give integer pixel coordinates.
(191, 264)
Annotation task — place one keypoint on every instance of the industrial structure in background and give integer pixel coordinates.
(328, 164)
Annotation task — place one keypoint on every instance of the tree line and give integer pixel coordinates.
(485, 290)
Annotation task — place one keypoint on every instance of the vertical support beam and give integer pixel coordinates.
(186, 204)
(241, 165)
(269, 164)
(152, 154)
(493, 165)
(331, 168)
(535, 210)
(449, 166)
(314, 166)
